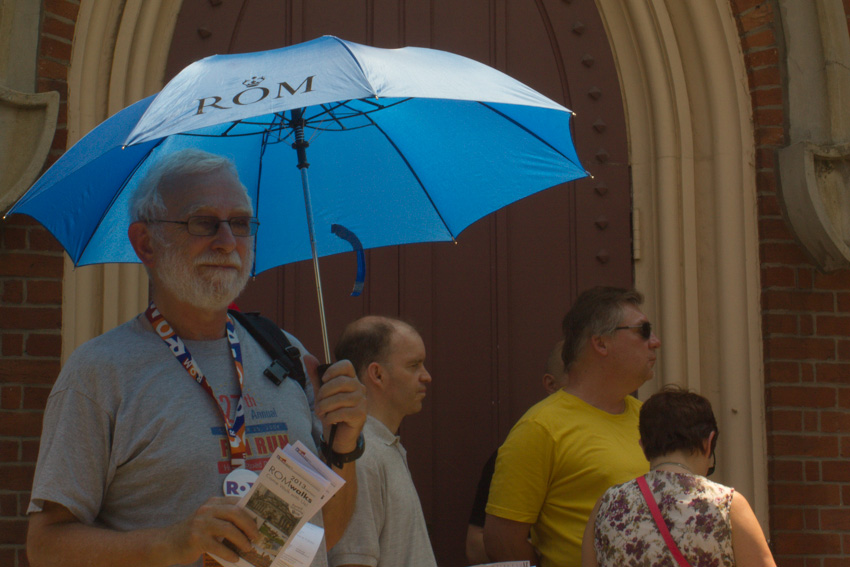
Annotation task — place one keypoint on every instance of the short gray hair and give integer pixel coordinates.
(147, 203)
(597, 311)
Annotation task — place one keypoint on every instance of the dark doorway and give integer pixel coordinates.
(488, 307)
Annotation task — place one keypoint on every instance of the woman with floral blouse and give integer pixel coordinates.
(710, 524)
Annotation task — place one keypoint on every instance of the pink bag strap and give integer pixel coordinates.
(659, 521)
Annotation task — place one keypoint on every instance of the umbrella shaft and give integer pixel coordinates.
(305, 184)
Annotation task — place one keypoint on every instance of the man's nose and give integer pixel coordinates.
(654, 341)
(426, 376)
(224, 238)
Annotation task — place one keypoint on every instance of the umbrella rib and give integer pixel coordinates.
(329, 111)
(532, 134)
(231, 127)
(412, 172)
(227, 132)
(257, 204)
(279, 118)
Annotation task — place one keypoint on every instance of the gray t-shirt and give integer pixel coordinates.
(131, 441)
(388, 527)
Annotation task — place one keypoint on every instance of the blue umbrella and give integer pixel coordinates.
(403, 145)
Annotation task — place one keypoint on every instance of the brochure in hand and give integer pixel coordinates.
(291, 488)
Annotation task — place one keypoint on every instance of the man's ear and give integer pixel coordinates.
(375, 374)
(599, 343)
(550, 384)
(141, 240)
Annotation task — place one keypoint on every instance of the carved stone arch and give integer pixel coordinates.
(119, 56)
(693, 178)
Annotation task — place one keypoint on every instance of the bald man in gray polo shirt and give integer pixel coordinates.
(388, 527)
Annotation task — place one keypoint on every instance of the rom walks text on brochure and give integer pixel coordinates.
(290, 490)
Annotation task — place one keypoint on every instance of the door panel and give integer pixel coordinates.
(489, 306)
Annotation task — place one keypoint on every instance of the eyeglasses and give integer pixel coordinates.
(645, 329)
(208, 226)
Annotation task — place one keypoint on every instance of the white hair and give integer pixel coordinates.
(147, 202)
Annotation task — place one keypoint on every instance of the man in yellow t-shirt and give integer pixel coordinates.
(554, 378)
(569, 448)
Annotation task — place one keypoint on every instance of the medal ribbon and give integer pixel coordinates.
(236, 430)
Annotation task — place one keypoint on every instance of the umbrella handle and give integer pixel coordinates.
(320, 370)
(352, 239)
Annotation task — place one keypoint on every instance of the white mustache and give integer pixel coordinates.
(220, 259)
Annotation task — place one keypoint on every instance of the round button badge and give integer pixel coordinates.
(239, 482)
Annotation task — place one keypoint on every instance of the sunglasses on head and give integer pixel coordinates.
(645, 329)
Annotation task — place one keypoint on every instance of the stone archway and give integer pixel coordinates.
(693, 172)
(119, 57)
(693, 177)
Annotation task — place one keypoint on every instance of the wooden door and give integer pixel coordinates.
(488, 307)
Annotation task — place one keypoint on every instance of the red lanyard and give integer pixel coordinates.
(236, 430)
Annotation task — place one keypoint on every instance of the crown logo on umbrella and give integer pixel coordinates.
(253, 81)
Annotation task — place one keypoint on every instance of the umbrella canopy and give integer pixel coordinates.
(404, 145)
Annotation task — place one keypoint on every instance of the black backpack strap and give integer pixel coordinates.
(286, 358)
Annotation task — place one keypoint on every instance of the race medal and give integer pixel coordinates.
(239, 482)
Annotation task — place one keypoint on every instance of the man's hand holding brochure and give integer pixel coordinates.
(291, 488)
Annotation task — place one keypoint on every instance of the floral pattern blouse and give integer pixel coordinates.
(695, 510)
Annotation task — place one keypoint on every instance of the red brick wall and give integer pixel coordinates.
(31, 266)
(806, 326)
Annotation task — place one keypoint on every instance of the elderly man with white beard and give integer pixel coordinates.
(146, 422)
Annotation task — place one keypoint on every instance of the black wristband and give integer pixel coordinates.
(339, 459)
